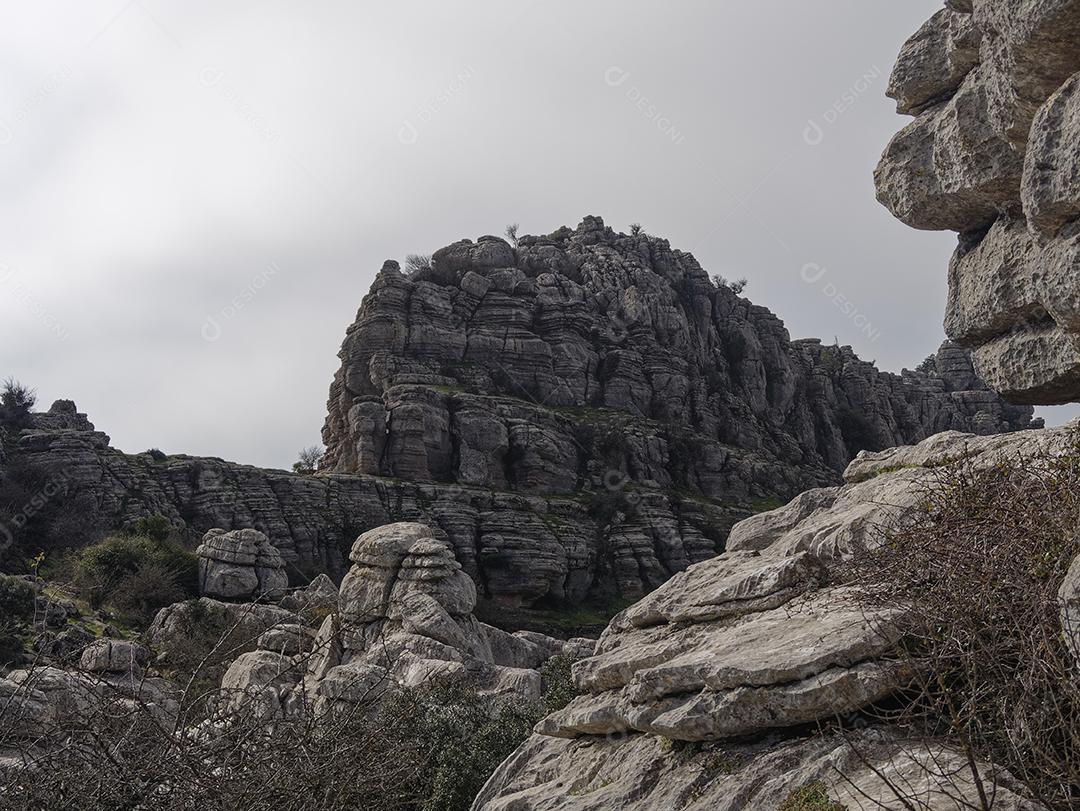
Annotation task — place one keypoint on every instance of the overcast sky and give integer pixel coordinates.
(197, 195)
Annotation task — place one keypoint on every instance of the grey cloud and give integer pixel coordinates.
(192, 146)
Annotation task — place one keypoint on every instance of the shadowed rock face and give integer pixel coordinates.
(581, 416)
(993, 154)
(588, 354)
(701, 695)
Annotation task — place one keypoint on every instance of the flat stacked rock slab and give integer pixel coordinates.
(992, 154)
(240, 565)
(758, 645)
(645, 773)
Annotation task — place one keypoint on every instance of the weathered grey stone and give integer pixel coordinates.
(1070, 609)
(406, 613)
(240, 564)
(114, 656)
(288, 640)
(1051, 188)
(174, 625)
(934, 62)
(318, 596)
(643, 773)
(260, 682)
(812, 658)
(995, 159)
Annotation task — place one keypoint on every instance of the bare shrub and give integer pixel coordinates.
(736, 286)
(416, 750)
(511, 234)
(139, 594)
(16, 404)
(415, 262)
(977, 572)
(308, 460)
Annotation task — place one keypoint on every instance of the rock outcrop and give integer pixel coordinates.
(862, 771)
(582, 416)
(758, 644)
(240, 565)
(511, 367)
(403, 619)
(992, 154)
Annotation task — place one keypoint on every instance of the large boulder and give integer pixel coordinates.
(868, 770)
(240, 565)
(115, 656)
(992, 154)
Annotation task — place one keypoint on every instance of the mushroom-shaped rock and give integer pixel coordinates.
(240, 565)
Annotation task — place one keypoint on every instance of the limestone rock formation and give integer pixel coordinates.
(404, 619)
(240, 565)
(511, 368)
(581, 416)
(645, 772)
(406, 615)
(992, 154)
(729, 658)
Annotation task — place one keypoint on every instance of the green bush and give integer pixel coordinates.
(156, 527)
(16, 405)
(120, 569)
(811, 797)
(16, 598)
(458, 740)
(139, 594)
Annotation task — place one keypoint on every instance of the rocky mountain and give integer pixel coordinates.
(510, 367)
(583, 415)
(992, 154)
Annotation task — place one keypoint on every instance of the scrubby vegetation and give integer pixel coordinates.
(16, 404)
(977, 572)
(811, 797)
(415, 750)
(135, 574)
(415, 262)
(307, 461)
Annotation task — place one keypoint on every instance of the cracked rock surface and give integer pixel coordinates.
(732, 661)
(992, 154)
(581, 417)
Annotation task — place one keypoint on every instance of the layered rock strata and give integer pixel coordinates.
(240, 565)
(582, 416)
(404, 619)
(992, 154)
(546, 366)
(753, 645)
